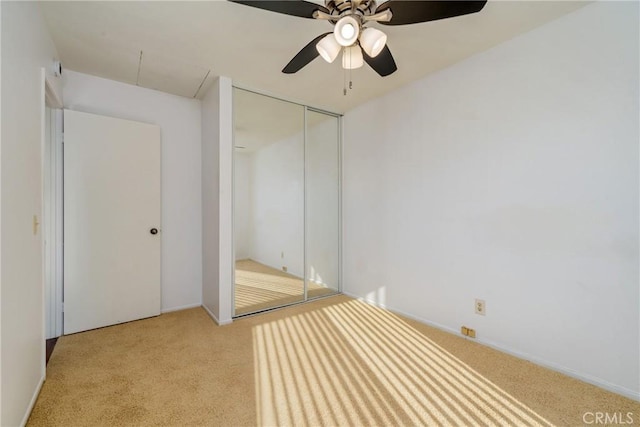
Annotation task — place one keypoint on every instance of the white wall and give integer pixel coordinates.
(217, 221)
(511, 177)
(26, 48)
(278, 205)
(179, 121)
(211, 200)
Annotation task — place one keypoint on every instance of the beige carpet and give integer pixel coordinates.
(260, 287)
(331, 362)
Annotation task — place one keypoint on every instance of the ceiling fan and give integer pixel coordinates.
(352, 34)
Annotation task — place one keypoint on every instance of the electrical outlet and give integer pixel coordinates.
(480, 307)
(281, 254)
(468, 332)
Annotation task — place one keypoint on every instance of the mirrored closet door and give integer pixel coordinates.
(322, 196)
(286, 203)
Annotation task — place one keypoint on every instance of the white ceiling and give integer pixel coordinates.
(182, 42)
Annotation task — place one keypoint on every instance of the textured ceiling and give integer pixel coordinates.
(184, 42)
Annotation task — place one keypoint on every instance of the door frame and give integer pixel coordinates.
(52, 205)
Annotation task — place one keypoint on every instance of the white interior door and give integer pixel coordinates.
(111, 208)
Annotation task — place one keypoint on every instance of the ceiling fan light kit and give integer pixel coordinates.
(352, 58)
(329, 48)
(373, 41)
(351, 32)
(347, 30)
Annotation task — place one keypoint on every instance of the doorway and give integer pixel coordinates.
(286, 202)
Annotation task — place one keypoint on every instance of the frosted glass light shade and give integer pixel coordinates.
(328, 48)
(352, 57)
(347, 30)
(373, 41)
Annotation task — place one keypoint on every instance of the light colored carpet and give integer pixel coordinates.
(260, 287)
(331, 362)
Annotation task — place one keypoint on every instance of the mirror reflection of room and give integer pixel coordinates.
(322, 204)
(273, 167)
(269, 202)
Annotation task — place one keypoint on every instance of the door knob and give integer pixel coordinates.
(153, 231)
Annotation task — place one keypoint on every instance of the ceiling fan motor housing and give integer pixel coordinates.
(359, 8)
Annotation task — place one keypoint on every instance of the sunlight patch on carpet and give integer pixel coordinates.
(357, 364)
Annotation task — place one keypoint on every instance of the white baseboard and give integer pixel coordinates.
(215, 319)
(182, 307)
(32, 403)
(631, 394)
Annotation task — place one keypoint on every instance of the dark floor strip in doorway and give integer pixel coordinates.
(51, 343)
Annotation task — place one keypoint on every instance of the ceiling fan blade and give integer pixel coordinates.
(303, 9)
(383, 63)
(415, 11)
(306, 55)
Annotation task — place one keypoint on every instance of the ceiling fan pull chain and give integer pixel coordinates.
(350, 71)
(344, 74)
(344, 81)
